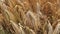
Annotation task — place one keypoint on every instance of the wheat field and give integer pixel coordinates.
(29, 16)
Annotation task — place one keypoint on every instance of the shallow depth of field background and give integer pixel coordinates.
(29, 16)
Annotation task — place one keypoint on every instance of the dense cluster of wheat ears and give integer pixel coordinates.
(30, 16)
